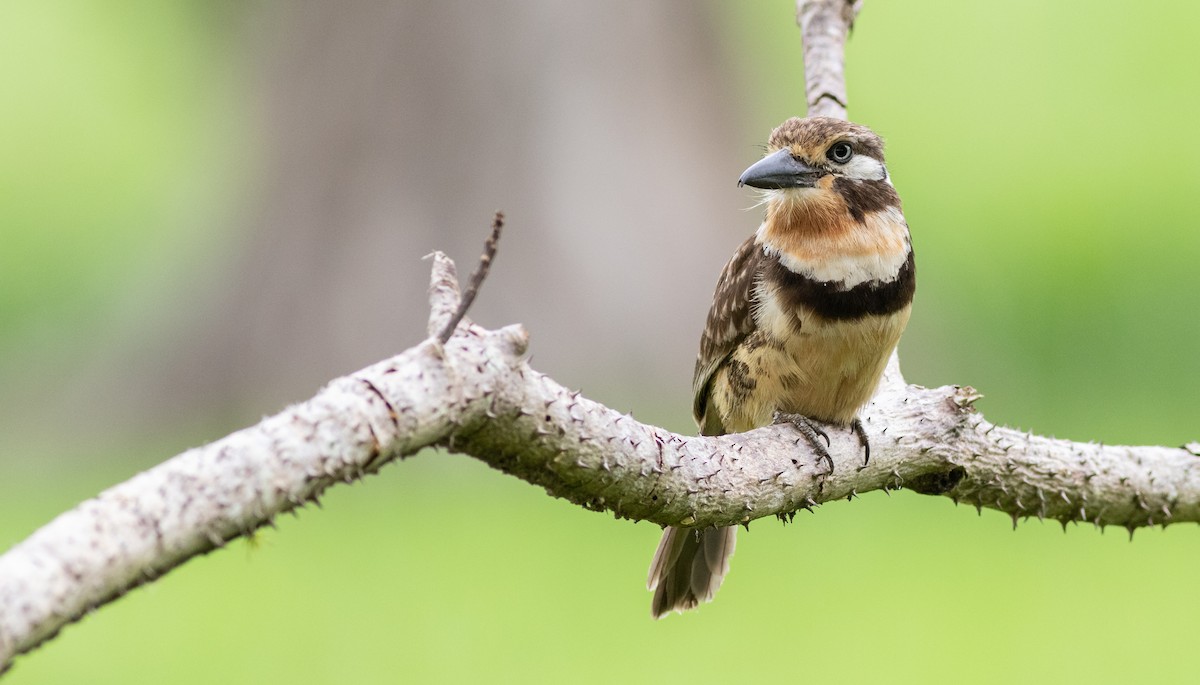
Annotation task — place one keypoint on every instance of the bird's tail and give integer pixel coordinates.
(688, 567)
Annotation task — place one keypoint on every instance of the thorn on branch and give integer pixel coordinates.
(480, 273)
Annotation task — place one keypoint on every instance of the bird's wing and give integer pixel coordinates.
(729, 322)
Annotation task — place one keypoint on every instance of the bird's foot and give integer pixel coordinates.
(813, 435)
(862, 440)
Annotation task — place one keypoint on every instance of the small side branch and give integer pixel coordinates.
(481, 272)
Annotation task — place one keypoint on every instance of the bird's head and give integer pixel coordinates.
(812, 153)
(823, 164)
(832, 213)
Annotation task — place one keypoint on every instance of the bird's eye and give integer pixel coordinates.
(840, 152)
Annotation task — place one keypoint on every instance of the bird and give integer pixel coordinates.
(803, 320)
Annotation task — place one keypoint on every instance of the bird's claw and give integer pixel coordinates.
(813, 435)
(862, 440)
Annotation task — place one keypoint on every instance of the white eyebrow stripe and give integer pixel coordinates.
(864, 168)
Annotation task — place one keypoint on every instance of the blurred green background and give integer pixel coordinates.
(1045, 156)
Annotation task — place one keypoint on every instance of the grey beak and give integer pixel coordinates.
(780, 170)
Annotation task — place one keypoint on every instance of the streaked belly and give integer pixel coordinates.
(826, 370)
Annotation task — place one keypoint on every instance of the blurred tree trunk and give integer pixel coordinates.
(392, 129)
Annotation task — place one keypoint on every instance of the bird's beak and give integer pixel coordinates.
(780, 170)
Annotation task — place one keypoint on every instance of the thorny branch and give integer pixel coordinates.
(477, 395)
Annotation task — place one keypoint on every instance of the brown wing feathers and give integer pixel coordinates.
(730, 321)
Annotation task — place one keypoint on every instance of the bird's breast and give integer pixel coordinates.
(807, 363)
(818, 348)
(834, 247)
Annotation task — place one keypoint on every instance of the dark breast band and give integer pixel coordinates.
(829, 300)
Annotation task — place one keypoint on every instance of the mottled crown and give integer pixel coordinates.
(815, 134)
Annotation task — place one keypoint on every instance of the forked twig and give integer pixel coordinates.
(480, 273)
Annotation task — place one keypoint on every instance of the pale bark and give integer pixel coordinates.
(477, 395)
(824, 26)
